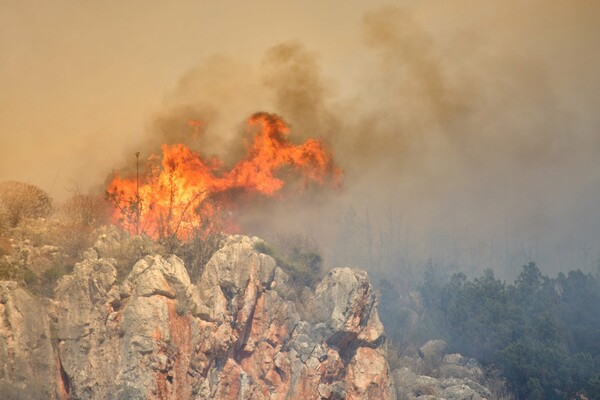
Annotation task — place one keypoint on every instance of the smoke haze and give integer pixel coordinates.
(468, 133)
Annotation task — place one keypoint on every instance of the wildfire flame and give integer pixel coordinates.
(182, 195)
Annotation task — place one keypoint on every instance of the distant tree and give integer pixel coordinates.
(481, 318)
(580, 311)
(529, 280)
(536, 296)
(434, 280)
(543, 333)
(544, 370)
(20, 200)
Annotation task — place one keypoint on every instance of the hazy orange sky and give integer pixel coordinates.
(476, 120)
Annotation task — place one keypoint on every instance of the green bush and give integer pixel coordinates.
(21, 274)
(37, 284)
(48, 280)
(298, 257)
(10, 271)
(264, 248)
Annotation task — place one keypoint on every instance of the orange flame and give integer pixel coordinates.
(175, 199)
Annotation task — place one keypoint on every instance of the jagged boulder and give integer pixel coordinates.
(241, 331)
(347, 311)
(82, 327)
(456, 377)
(433, 353)
(457, 366)
(28, 361)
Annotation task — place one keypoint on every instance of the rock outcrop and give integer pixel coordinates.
(433, 374)
(411, 386)
(29, 365)
(241, 331)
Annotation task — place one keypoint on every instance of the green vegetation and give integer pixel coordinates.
(37, 282)
(542, 333)
(298, 257)
(13, 272)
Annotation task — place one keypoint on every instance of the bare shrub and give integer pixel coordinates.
(80, 215)
(497, 384)
(202, 238)
(73, 239)
(393, 354)
(20, 200)
(198, 251)
(168, 215)
(85, 210)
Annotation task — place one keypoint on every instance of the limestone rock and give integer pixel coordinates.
(347, 302)
(457, 366)
(456, 377)
(29, 365)
(433, 352)
(242, 331)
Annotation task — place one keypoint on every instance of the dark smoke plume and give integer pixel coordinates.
(468, 134)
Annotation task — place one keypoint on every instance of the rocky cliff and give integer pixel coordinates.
(242, 330)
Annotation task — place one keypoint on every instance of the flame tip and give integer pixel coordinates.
(182, 197)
